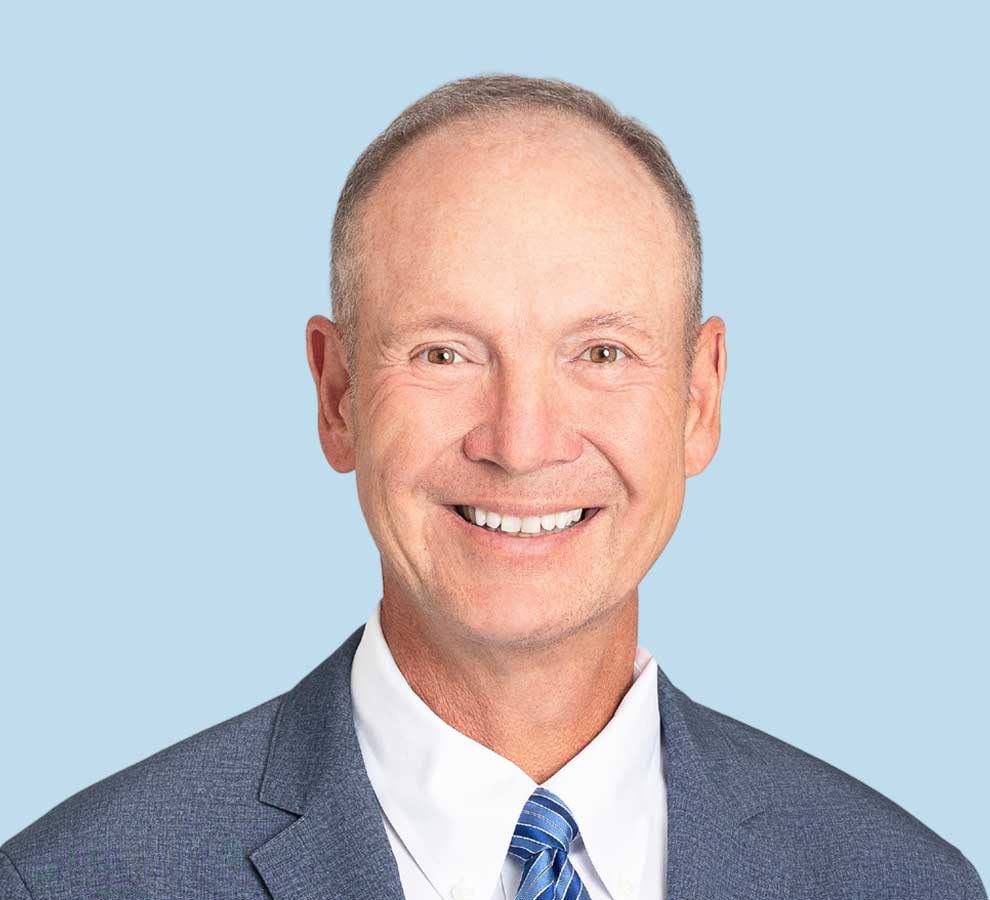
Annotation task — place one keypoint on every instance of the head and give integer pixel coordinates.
(516, 278)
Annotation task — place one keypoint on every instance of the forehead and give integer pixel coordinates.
(526, 213)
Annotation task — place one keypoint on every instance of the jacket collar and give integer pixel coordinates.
(338, 847)
(711, 796)
(313, 740)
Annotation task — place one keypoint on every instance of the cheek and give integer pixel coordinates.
(642, 436)
(403, 431)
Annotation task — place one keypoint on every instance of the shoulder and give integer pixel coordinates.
(197, 797)
(841, 829)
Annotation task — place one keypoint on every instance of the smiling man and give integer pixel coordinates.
(520, 378)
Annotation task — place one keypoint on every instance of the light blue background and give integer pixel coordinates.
(177, 550)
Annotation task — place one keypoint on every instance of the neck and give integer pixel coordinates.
(476, 689)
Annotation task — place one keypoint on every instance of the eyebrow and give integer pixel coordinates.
(621, 321)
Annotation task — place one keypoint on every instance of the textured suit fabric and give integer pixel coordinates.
(276, 803)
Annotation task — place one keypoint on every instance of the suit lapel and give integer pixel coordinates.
(713, 802)
(338, 848)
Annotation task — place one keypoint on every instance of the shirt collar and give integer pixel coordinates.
(614, 786)
(454, 803)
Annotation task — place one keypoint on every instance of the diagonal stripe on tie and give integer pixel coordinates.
(541, 841)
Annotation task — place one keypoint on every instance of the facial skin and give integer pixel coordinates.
(516, 232)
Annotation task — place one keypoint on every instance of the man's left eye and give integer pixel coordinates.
(440, 356)
(603, 353)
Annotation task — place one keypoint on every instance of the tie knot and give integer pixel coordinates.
(541, 841)
(545, 823)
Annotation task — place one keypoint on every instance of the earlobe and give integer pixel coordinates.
(703, 421)
(327, 363)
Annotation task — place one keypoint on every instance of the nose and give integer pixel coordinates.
(527, 423)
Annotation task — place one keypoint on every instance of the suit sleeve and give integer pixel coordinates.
(12, 886)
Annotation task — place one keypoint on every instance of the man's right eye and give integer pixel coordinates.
(441, 356)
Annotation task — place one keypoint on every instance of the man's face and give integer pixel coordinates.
(485, 381)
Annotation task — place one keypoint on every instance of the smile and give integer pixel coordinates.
(524, 526)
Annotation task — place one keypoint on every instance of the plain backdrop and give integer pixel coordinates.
(175, 548)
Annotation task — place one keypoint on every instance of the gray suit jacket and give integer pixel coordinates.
(276, 803)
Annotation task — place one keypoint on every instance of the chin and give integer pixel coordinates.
(518, 615)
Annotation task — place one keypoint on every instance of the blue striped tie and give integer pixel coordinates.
(541, 841)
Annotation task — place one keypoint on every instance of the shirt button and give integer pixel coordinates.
(461, 891)
(625, 887)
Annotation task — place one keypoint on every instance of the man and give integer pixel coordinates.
(519, 376)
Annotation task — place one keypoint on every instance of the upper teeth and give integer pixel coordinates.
(521, 524)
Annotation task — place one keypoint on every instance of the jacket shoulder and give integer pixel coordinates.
(196, 797)
(835, 822)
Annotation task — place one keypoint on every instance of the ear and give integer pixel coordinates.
(328, 363)
(702, 425)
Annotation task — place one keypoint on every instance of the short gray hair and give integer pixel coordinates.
(481, 98)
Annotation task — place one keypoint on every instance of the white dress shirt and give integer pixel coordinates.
(450, 805)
